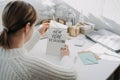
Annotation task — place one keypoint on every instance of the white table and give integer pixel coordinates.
(99, 71)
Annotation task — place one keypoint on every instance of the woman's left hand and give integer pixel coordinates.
(44, 28)
(65, 51)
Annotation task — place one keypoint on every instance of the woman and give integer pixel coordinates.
(17, 39)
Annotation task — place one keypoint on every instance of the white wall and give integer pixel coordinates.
(2, 5)
(46, 9)
(103, 13)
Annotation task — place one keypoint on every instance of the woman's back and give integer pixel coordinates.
(17, 65)
(11, 65)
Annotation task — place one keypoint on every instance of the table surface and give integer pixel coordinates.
(100, 71)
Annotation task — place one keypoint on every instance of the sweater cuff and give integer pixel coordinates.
(37, 34)
(67, 62)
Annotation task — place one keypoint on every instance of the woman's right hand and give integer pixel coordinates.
(44, 28)
(65, 51)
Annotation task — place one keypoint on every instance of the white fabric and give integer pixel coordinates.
(102, 13)
(54, 24)
(17, 64)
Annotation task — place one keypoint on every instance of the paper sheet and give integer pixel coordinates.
(56, 38)
(100, 50)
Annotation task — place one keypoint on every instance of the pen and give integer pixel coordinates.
(78, 45)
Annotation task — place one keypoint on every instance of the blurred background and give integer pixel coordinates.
(102, 13)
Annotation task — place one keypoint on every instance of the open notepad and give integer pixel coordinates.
(106, 38)
(56, 38)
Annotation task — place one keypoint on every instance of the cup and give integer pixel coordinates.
(74, 31)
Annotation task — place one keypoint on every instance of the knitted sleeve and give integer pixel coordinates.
(41, 69)
(34, 39)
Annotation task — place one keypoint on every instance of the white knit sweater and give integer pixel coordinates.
(16, 64)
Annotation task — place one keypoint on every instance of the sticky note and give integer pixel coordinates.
(88, 58)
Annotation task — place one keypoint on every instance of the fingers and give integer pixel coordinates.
(44, 28)
(46, 25)
(66, 46)
(65, 51)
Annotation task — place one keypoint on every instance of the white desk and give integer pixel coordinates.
(99, 71)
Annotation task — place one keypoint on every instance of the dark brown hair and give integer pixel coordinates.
(15, 16)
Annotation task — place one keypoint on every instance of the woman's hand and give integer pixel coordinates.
(44, 28)
(65, 51)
